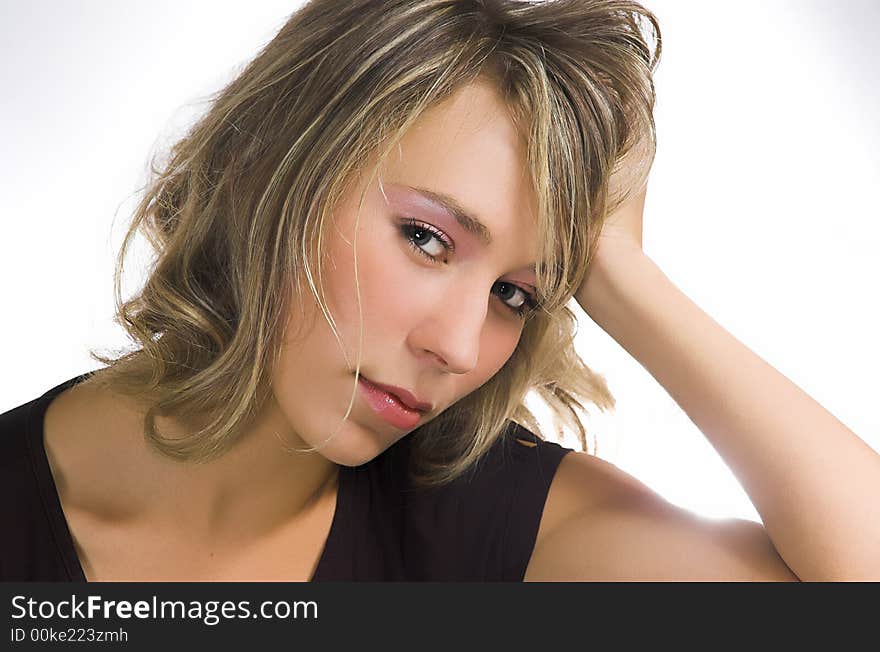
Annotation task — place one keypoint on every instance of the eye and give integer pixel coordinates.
(420, 236)
(523, 304)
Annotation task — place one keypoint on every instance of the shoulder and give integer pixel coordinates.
(87, 434)
(21, 440)
(13, 428)
(29, 512)
(16, 457)
(600, 523)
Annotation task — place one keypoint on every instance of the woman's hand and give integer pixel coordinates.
(619, 240)
(621, 234)
(623, 228)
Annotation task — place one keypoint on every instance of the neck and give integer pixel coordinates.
(257, 486)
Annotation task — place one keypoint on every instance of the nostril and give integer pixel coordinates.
(439, 358)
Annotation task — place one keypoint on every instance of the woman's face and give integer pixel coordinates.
(438, 329)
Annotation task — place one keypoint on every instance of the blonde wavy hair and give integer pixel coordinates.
(237, 212)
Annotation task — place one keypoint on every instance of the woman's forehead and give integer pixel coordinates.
(465, 153)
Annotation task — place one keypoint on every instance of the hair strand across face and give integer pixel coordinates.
(237, 211)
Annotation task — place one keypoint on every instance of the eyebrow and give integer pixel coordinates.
(468, 221)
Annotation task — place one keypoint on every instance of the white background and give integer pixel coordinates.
(761, 207)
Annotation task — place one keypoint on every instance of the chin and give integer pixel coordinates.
(356, 449)
(351, 458)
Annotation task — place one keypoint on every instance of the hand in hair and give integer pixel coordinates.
(627, 187)
(620, 238)
(622, 229)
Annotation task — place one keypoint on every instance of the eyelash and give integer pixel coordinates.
(411, 226)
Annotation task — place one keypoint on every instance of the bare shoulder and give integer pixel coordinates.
(82, 437)
(600, 523)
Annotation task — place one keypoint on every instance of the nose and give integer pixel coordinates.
(452, 331)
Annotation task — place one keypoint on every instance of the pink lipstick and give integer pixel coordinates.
(388, 406)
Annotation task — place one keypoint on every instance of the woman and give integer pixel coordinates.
(406, 195)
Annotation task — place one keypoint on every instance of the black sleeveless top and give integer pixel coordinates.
(480, 527)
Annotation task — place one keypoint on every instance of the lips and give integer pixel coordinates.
(402, 395)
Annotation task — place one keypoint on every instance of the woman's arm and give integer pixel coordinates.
(600, 524)
(815, 483)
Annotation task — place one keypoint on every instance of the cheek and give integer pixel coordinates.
(495, 350)
(398, 292)
(390, 290)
